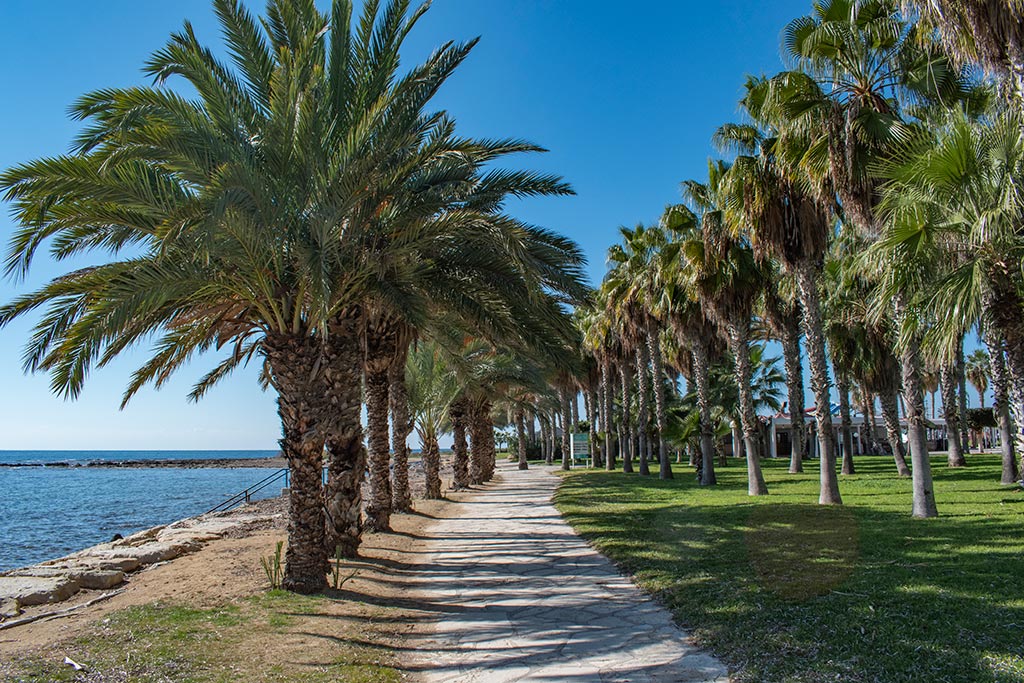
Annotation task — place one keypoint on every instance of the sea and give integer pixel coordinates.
(56, 505)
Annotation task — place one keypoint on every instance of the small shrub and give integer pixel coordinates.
(272, 567)
(336, 579)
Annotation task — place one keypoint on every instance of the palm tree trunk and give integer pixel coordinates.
(574, 410)
(401, 428)
(566, 435)
(913, 401)
(491, 454)
(846, 421)
(961, 381)
(477, 443)
(520, 420)
(431, 467)
(346, 453)
(891, 417)
(595, 451)
(378, 508)
(643, 419)
(702, 380)
(737, 442)
(543, 436)
(552, 436)
(657, 373)
(795, 394)
(627, 445)
(1001, 408)
(951, 411)
(293, 365)
(607, 379)
(460, 456)
(739, 334)
(867, 427)
(810, 297)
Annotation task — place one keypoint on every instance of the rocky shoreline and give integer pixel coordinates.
(108, 565)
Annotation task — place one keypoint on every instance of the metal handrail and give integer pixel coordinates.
(244, 496)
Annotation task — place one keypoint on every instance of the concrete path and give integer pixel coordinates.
(521, 597)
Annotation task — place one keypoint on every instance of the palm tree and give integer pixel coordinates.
(432, 387)
(696, 333)
(777, 207)
(784, 318)
(236, 202)
(988, 33)
(1000, 405)
(954, 199)
(859, 62)
(930, 383)
(978, 373)
(723, 273)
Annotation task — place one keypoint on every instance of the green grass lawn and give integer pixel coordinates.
(783, 589)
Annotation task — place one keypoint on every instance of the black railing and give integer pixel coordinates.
(244, 496)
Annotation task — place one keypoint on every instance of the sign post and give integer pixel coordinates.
(581, 449)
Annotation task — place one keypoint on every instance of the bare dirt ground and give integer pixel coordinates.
(368, 619)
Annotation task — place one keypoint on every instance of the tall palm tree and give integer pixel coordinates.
(240, 202)
(696, 333)
(784, 318)
(724, 274)
(858, 63)
(954, 199)
(978, 373)
(1000, 405)
(785, 221)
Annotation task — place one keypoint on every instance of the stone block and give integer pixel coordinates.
(32, 590)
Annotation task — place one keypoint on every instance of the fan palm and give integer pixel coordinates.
(775, 205)
(989, 33)
(724, 275)
(978, 373)
(859, 63)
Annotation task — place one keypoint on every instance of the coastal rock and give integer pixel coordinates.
(9, 609)
(97, 579)
(104, 559)
(32, 590)
(121, 564)
(157, 551)
(85, 576)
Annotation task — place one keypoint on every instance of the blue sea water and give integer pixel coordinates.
(47, 512)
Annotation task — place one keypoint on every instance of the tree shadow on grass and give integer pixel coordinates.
(793, 591)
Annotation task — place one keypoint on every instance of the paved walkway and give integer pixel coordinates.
(523, 598)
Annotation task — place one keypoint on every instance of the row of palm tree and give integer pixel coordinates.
(304, 207)
(869, 203)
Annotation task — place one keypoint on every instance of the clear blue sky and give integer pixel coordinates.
(625, 96)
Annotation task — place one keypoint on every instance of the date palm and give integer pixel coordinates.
(239, 202)
(431, 386)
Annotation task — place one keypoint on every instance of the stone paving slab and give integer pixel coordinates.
(521, 597)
